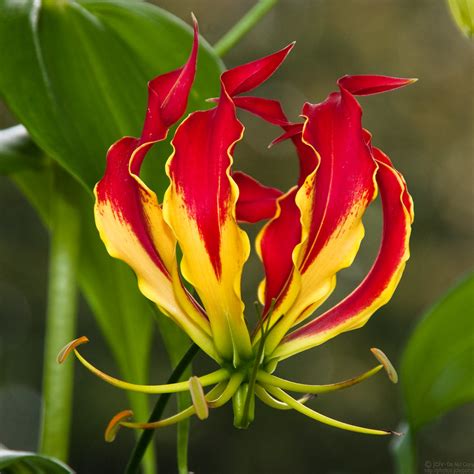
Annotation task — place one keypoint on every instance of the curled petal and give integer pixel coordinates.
(129, 217)
(248, 76)
(332, 201)
(200, 207)
(368, 85)
(267, 109)
(168, 95)
(380, 283)
(256, 201)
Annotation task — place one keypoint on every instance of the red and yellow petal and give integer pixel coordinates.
(200, 206)
(332, 202)
(129, 217)
(131, 225)
(382, 280)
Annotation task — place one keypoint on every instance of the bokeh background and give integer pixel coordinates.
(427, 129)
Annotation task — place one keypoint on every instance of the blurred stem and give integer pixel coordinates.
(404, 451)
(60, 321)
(243, 26)
(147, 435)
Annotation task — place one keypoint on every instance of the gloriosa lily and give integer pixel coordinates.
(313, 231)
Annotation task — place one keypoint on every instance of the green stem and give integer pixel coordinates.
(404, 451)
(147, 435)
(242, 27)
(60, 321)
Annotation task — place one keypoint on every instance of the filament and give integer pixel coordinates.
(206, 380)
(118, 420)
(266, 378)
(272, 402)
(284, 397)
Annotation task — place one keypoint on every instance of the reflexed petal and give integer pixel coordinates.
(267, 109)
(256, 201)
(368, 85)
(332, 202)
(248, 76)
(382, 280)
(129, 217)
(200, 205)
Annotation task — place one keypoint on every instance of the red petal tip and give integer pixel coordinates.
(373, 84)
(195, 22)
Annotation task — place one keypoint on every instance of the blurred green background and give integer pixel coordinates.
(427, 129)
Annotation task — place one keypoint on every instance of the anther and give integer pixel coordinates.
(114, 424)
(68, 348)
(387, 365)
(198, 398)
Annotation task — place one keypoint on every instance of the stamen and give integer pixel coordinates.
(198, 398)
(272, 402)
(180, 416)
(114, 425)
(387, 365)
(284, 397)
(66, 350)
(117, 421)
(266, 378)
(206, 380)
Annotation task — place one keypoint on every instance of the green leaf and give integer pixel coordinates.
(463, 14)
(31, 463)
(77, 75)
(436, 369)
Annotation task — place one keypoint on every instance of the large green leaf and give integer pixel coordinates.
(436, 369)
(76, 77)
(12, 462)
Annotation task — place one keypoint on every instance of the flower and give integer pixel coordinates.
(312, 231)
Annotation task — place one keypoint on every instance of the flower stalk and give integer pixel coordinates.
(243, 26)
(60, 321)
(139, 450)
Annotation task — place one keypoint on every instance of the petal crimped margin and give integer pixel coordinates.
(380, 283)
(332, 201)
(200, 206)
(129, 217)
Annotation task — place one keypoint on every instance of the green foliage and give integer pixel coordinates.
(436, 368)
(19, 462)
(77, 75)
(463, 14)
